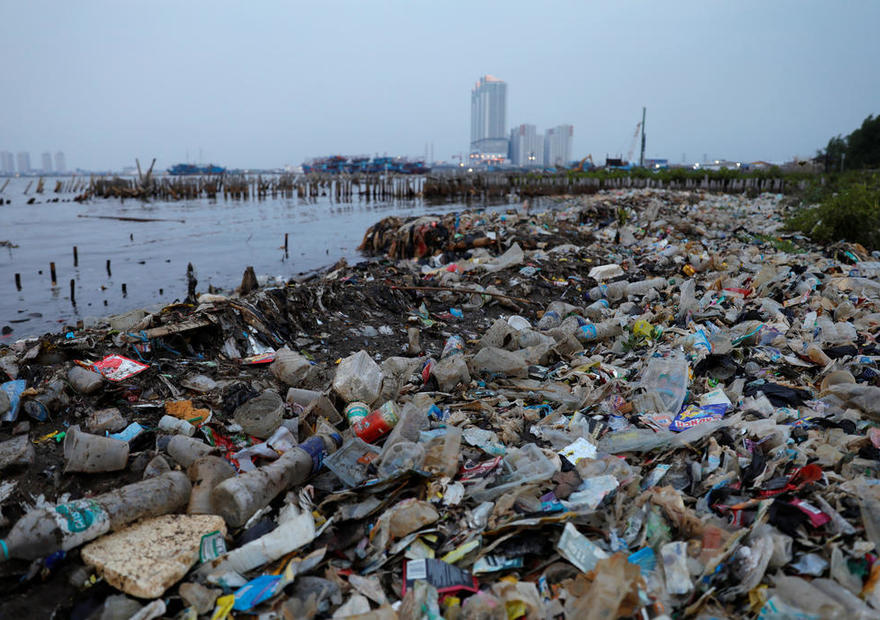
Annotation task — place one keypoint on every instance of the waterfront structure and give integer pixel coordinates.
(489, 119)
(526, 146)
(47, 162)
(60, 163)
(557, 145)
(7, 163)
(23, 159)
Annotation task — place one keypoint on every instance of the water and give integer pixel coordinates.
(219, 237)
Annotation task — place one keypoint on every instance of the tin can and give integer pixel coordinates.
(377, 424)
(356, 411)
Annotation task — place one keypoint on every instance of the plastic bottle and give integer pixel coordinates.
(412, 420)
(442, 453)
(186, 450)
(402, 456)
(645, 286)
(596, 310)
(170, 424)
(613, 291)
(43, 531)
(237, 499)
(549, 320)
(593, 332)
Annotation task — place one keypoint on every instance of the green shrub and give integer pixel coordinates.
(852, 213)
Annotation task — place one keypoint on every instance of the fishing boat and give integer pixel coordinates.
(186, 169)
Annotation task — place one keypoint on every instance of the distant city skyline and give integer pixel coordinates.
(273, 83)
(20, 163)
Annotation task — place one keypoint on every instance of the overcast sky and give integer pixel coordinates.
(264, 84)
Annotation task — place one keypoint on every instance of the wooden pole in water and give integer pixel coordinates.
(124, 290)
(108, 268)
(75, 257)
(285, 242)
(73, 291)
(52, 271)
(18, 281)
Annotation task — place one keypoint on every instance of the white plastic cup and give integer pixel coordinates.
(84, 452)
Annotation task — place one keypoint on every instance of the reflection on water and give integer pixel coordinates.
(219, 237)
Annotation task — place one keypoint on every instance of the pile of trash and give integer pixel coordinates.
(634, 404)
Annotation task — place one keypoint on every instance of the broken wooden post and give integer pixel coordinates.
(248, 281)
(191, 283)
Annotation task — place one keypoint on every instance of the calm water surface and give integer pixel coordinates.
(219, 237)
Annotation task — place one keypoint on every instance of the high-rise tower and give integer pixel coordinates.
(489, 117)
(557, 145)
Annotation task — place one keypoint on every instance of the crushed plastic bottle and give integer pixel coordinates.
(43, 531)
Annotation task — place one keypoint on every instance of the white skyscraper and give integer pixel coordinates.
(526, 146)
(60, 164)
(24, 162)
(7, 163)
(489, 117)
(47, 162)
(557, 145)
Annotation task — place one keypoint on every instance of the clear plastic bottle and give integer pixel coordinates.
(43, 531)
(549, 320)
(593, 332)
(645, 286)
(402, 456)
(442, 454)
(613, 291)
(596, 310)
(186, 450)
(237, 499)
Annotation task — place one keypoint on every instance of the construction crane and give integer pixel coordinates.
(632, 144)
(642, 155)
(579, 167)
(640, 126)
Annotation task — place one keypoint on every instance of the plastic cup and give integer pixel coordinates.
(84, 452)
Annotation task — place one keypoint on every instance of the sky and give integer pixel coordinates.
(267, 84)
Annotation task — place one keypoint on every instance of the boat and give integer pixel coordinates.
(185, 169)
(337, 164)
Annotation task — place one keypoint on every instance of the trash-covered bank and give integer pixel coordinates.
(637, 404)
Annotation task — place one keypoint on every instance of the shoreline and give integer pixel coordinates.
(503, 335)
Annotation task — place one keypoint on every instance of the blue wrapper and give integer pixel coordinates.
(694, 416)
